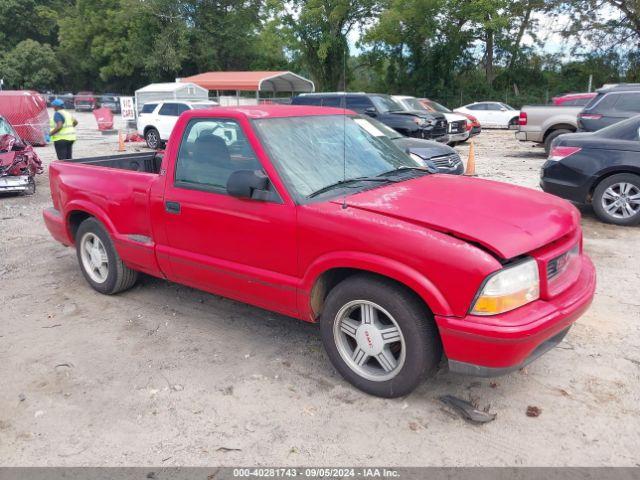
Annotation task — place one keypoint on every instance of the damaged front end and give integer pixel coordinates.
(19, 165)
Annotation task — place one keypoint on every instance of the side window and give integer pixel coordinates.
(169, 109)
(181, 107)
(210, 151)
(628, 102)
(306, 100)
(606, 103)
(148, 107)
(358, 103)
(477, 106)
(493, 106)
(334, 101)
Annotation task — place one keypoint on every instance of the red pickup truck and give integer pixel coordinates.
(312, 212)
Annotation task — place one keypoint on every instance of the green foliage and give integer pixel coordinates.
(455, 51)
(31, 66)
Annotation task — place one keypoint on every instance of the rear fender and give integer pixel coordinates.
(91, 209)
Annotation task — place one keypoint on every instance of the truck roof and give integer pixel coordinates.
(279, 111)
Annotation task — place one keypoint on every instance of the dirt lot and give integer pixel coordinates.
(168, 375)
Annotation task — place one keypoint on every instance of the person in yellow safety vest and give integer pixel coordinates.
(63, 130)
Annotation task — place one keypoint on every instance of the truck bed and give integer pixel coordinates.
(148, 162)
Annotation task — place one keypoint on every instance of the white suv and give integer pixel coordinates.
(157, 119)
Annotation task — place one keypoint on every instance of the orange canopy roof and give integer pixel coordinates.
(252, 81)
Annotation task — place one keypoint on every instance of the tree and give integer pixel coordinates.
(31, 66)
(320, 28)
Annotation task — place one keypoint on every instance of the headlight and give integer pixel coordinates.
(508, 289)
(422, 122)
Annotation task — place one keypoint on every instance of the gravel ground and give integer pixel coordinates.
(168, 375)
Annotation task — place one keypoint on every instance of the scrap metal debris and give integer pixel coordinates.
(467, 410)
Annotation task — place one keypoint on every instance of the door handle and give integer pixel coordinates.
(172, 207)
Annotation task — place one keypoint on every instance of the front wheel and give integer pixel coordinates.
(99, 261)
(379, 336)
(152, 137)
(616, 199)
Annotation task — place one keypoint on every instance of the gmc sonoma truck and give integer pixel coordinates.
(544, 123)
(312, 212)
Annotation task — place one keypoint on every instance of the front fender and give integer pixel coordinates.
(384, 266)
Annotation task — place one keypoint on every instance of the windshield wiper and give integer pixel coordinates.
(404, 168)
(342, 183)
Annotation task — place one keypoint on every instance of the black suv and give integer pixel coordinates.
(418, 124)
(609, 106)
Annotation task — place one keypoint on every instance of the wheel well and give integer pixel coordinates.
(329, 279)
(560, 126)
(75, 219)
(605, 176)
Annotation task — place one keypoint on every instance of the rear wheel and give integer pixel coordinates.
(616, 199)
(99, 261)
(152, 137)
(379, 336)
(551, 137)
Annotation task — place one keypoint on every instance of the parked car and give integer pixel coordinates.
(84, 101)
(19, 163)
(110, 101)
(492, 114)
(435, 155)
(544, 123)
(456, 124)
(68, 99)
(302, 211)
(610, 105)
(573, 99)
(156, 120)
(418, 124)
(473, 125)
(601, 169)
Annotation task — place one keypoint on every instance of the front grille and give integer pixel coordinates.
(556, 265)
(446, 161)
(458, 126)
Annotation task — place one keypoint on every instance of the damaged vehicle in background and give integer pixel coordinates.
(434, 155)
(473, 124)
(19, 163)
(416, 124)
(457, 130)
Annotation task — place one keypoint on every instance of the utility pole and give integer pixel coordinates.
(590, 83)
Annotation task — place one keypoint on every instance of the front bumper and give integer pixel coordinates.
(496, 345)
(14, 184)
(458, 137)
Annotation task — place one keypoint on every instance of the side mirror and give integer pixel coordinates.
(502, 109)
(371, 111)
(247, 184)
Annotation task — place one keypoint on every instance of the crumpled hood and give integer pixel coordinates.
(505, 219)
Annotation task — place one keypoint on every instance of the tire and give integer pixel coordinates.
(116, 276)
(152, 137)
(552, 136)
(354, 349)
(623, 188)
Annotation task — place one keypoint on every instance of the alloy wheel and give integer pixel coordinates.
(94, 258)
(369, 340)
(621, 200)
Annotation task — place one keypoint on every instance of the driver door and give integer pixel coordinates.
(240, 248)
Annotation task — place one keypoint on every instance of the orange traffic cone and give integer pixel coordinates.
(471, 162)
(121, 147)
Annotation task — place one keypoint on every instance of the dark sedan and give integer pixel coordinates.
(436, 156)
(601, 169)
